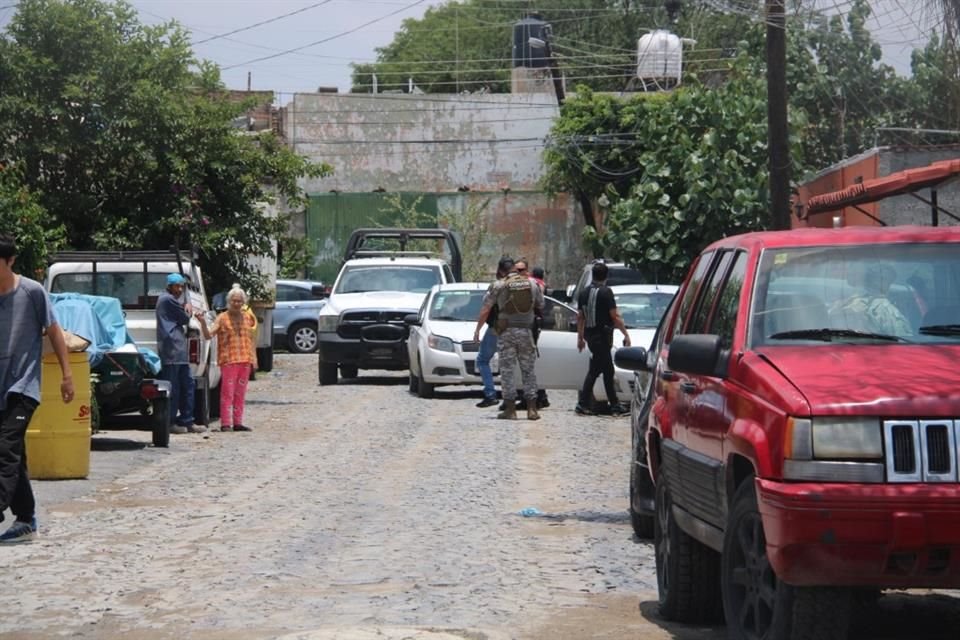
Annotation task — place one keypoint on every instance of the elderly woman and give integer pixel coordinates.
(236, 330)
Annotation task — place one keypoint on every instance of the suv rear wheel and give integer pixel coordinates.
(756, 603)
(688, 572)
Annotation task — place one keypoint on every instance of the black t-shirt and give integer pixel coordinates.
(597, 311)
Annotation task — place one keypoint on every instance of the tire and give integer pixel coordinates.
(302, 337)
(424, 388)
(756, 603)
(201, 403)
(688, 572)
(412, 383)
(328, 373)
(160, 421)
(641, 488)
(265, 358)
(349, 371)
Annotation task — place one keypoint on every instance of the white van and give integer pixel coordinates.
(137, 278)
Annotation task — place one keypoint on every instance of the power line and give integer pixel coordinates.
(263, 22)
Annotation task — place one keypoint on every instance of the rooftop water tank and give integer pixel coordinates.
(659, 56)
(525, 55)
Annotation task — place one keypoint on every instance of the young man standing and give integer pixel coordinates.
(173, 316)
(25, 314)
(596, 319)
(488, 346)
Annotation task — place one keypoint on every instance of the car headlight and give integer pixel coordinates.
(440, 343)
(835, 439)
(328, 323)
(834, 450)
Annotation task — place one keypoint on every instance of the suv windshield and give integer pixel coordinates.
(875, 294)
(363, 278)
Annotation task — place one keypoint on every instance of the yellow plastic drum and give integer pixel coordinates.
(58, 438)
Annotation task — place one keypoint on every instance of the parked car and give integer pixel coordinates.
(441, 349)
(295, 314)
(440, 345)
(803, 427)
(618, 274)
(641, 306)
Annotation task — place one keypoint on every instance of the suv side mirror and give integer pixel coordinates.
(695, 353)
(412, 319)
(631, 359)
(320, 291)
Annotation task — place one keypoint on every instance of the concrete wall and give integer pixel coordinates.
(453, 146)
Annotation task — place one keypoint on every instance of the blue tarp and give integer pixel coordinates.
(98, 319)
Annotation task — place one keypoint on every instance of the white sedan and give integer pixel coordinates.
(442, 350)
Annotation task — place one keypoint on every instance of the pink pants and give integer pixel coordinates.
(233, 392)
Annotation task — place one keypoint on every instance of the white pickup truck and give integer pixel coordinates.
(137, 278)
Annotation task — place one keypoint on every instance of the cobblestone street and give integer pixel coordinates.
(350, 511)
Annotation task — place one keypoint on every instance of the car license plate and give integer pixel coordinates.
(381, 352)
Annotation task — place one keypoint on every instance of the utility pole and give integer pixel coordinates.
(554, 70)
(778, 142)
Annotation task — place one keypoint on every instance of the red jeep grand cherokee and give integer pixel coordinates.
(804, 426)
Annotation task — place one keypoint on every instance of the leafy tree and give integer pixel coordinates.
(127, 141)
(22, 215)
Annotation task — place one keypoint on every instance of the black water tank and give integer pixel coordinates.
(523, 54)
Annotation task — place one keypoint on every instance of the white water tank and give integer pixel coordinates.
(660, 56)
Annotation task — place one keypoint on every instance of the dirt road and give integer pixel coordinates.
(353, 512)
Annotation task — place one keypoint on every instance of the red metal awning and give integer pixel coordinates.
(894, 184)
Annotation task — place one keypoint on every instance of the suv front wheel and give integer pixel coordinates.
(756, 603)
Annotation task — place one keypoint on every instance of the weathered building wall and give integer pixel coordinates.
(456, 149)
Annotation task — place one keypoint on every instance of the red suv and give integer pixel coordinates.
(804, 427)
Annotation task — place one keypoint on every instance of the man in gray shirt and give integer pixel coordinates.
(173, 316)
(25, 313)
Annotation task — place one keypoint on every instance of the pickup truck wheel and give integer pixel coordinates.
(160, 421)
(265, 358)
(302, 337)
(688, 572)
(412, 382)
(349, 371)
(756, 603)
(424, 388)
(328, 373)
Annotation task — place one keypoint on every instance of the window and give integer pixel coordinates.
(128, 287)
(558, 317)
(690, 293)
(705, 305)
(724, 321)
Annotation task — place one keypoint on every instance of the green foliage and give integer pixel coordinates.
(470, 226)
(22, 216)
(127, 141)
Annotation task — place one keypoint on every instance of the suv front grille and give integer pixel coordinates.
(921, 450)
(352, 323)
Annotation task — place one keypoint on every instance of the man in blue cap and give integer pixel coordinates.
(173, 316)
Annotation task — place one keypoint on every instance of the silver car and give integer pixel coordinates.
(295, 316)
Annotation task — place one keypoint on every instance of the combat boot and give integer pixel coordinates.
(532, 413)
(509, 413)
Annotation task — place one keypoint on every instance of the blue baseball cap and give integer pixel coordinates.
(175, 278)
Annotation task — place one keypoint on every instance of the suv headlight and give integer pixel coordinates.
(328, 323)
(440, 343)
(834, 449)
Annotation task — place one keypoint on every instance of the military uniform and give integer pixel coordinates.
(874, 314)
(517, 297)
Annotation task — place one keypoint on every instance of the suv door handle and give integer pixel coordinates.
(688, 387)
(668, 375)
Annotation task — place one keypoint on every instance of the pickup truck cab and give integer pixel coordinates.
(804, 421)
(137, 278)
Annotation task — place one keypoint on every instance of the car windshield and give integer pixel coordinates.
(873, 294)
(128, 287)
(625, 275)
(642, 310)
(456, 306)
(360, 279)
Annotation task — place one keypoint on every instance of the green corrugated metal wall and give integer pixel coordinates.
(332, 217)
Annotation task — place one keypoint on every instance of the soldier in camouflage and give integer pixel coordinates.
(871, 310)
(518, 298)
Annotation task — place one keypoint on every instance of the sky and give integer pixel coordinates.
(252, 40)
